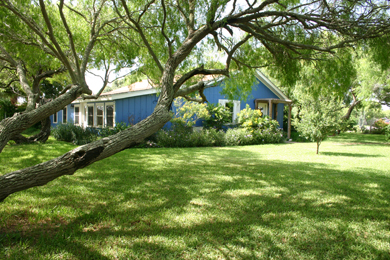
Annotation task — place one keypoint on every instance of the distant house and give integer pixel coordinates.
(134, 103)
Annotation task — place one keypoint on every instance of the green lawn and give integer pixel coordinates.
(254, 202)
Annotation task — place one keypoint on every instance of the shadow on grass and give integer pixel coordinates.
(207, 203)
(360, 138)
(349, 154)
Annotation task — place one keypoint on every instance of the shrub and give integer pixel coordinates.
(189, 112)
(217, 117)
(252, 120)
(107, 131)
(379, 127)
(243, 136)
(75, 134)
(179, 137)
(387, 133)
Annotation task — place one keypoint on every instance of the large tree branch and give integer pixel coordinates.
(198, 71)
(82, 156)
(169, 42)
(143, 37)
(70, 38)
(19, 122)
(59, 50)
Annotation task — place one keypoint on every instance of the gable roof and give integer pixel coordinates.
(145, 88)
(271, 86)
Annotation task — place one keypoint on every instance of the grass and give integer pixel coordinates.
(254, 202)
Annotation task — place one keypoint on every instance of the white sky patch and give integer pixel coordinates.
(95, 82)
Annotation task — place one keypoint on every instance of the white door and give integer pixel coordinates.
(263, 108)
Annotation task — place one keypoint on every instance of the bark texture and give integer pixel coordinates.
(15, 125)
(41, 137)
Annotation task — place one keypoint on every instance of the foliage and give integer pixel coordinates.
(7, 109)
(319, 117)
(189, 112)
(252, 119)
(242, 136)
(107, 131)
(387, 133)
(177, 137)
(72, 133)
(51, 89)
(378, 127)
(217, 117)
(249, 118)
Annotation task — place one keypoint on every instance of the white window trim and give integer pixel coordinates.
(105, 114)
(236, 107)
(74, 115)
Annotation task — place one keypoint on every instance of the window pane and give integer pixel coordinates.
(99, 115)
(90, 116)
(77, 115)
(110, 115)
(64, 115)
(55, 117)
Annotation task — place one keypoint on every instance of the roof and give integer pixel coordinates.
(145, 88)
(137, 86)
(260, 76)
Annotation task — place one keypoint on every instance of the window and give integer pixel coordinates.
(232, 105)
(99, 115)
(110, 115)
(89, 115)
(55, 119)
(76, 115)
(64, 115)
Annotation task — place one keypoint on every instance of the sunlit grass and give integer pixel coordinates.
(256, 202)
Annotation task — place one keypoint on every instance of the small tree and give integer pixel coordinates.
(319, 117)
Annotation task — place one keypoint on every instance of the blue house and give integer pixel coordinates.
(134, 103)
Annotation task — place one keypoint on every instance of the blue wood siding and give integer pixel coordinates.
(134, 109)
(259, 91)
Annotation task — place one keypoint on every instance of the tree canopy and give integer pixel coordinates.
(174, 43)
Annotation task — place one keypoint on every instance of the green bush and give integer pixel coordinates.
(71, 133)
(213, 137)
(178, 138)
(379, 127)
(242, 136)
(387, 133)
(107, 131)
(217, 117)
(252, 120)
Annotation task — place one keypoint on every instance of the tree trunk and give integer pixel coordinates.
(82, 156)
(15, 125)
(41, 137)
(318, 147)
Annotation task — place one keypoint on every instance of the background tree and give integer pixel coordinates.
(320, 117)
(167, 40)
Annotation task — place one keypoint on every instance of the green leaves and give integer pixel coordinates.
(318, 117)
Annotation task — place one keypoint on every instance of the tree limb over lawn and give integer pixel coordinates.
(166, 39)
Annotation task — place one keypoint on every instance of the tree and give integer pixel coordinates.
(168, 40)
(319, 117)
